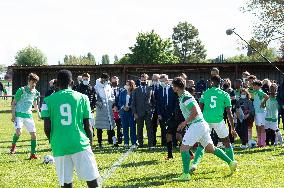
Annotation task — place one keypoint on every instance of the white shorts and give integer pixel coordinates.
(259, 119)
(84, 162)
(271, 125)
(197, 132)
(27, 122)
(220, 128)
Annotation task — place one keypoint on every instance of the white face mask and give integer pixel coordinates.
(243, 96)
(126, 87)
(85, 82)
(163, 84)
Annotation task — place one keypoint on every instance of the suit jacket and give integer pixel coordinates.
(155, 95)
(141, 102)
(166, 108)
(116, 93)
(122, 100)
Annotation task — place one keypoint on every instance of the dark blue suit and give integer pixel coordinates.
(155, 97)
(166, 103)
(127, 118)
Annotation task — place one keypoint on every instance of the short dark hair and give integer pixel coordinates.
(191, 89)
(178, 82)
(257, 83)
(87, 75)
(64, 77)
(216, 80)
(105, 76)
(33, 77)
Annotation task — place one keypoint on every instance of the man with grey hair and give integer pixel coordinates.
(142, 109)
(155, 87)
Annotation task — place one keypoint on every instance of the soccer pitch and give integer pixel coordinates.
(142, 168)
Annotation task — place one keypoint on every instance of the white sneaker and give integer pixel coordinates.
(126, 145)
(244, 146)
(192, 168)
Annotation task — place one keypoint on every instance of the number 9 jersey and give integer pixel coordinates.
(66, 110)
(215, 101)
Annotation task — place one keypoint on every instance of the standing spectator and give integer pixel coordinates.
(227, 86)
(238, 87)
(266, 85)
(259, 101)
(244, 110)
(126, 114)
(271, 118)
(116, 91)
(79, 81)
(280, 99)
(200, 86)
(52, 87)
(165, 105)
(142, 109)
(155, 87)
(1, 88)
(104, 115)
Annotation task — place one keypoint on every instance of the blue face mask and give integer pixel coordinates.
(85, 82)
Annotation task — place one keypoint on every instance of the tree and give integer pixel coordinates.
(270, 18)
(115, 59)
(81, 60)
(105, 59)
(91, 58)
(252, 55)
(30, 56)
(282, 51)
(188, 47)
(150, 48)
(2, 68)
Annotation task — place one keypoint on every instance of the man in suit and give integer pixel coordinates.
(116, 91)
(165, 104)
(142, 110)
(155, 87)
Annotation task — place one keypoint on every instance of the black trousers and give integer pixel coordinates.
(232, 139)
(242, 130)
(270, 136)
(110, 134)
(155, 126)
(119, 133)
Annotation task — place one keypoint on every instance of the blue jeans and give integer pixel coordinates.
(127, 120)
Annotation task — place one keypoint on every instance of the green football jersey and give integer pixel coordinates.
(66, 110)
(24, 98)
(272, 110)
(258, 97)
(215, 101)
(186, 102)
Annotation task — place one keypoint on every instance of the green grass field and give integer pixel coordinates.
(143, 167)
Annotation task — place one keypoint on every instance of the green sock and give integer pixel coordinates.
(222, 155)
(230, 153)
(185, 161)
(15, 138)
(198, 155)
(33, 146)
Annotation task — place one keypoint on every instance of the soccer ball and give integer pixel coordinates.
(48, 159)
(252, 143)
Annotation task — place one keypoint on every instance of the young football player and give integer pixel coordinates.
(197, 130)
(66, 115)
(25, 98)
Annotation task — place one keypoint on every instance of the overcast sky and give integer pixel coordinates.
(60, 27)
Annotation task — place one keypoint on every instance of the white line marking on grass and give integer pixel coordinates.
(117, 164)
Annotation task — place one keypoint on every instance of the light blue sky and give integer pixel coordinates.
(60, 27)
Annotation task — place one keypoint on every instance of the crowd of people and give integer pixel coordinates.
(225, 108)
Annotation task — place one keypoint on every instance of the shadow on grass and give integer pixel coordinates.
(147, 181)
(252, 151)
(10, 141)
(142, 163)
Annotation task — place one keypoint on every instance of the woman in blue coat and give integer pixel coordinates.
(126, 114)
